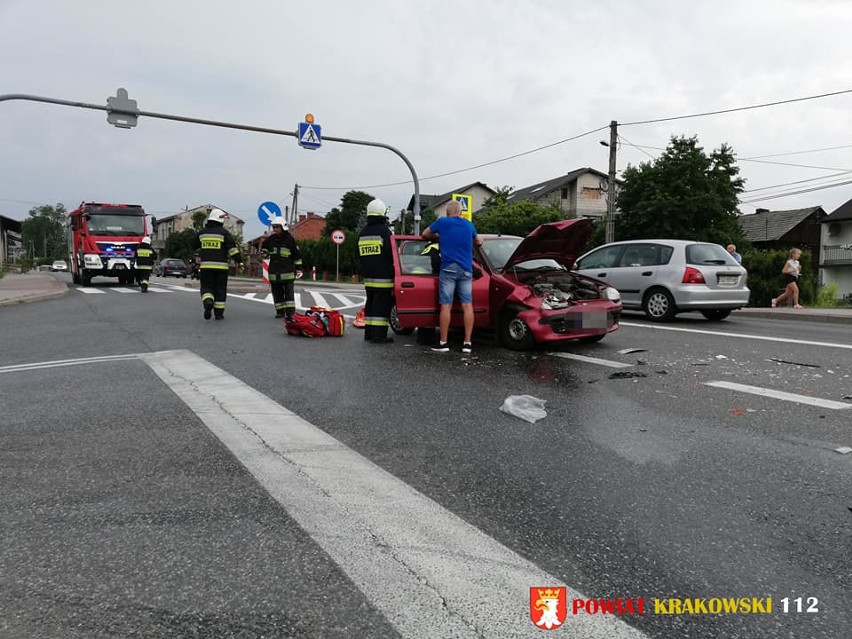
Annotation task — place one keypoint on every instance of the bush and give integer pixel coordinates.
(827, 296)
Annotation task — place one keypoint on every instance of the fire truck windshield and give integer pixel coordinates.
(102, 224)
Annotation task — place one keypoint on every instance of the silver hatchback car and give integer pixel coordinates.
(666, 277)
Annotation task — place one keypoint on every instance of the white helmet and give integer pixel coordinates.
(377, 207)
(279, 221)
(146, 240)
(217, 215)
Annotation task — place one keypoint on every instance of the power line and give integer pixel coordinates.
(800, 191)
(777, 155)
(777, 186)
(469, 168)
(735, 109)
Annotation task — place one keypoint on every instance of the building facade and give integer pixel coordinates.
(185, 220)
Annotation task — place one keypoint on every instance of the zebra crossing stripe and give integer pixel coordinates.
(91, 291)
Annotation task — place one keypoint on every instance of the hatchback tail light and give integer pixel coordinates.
(692, 276)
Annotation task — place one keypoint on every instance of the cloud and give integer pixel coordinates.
(449, 84)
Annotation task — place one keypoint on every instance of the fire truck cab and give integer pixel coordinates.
(102, 240)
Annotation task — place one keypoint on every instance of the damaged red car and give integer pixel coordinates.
(526, 293)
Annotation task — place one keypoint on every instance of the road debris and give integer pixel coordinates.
(784, 361)
(626, 375)
(628, 351)
(527, 407)
(843, 450)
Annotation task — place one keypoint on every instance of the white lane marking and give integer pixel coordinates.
(297, 298)
(775, 394)
(91, 291)
(66, 362)
(592, 360)
(124, 290)
(785, 340)
(397, 545)
(319, 300)
(153, 289)
(347, 302)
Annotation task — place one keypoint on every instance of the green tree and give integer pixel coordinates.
(43, 233)
(427, 216)
(500, 197)
(516, 218)
(198, 220)
(351, 213)
(683, 194)
(179, 244)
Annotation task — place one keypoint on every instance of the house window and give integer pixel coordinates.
(564, 192)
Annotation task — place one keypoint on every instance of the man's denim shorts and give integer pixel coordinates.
(454, 279)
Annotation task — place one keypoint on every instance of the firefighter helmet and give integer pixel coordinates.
(279, 221)
(146, 240)
(217, 215)
(377, 208)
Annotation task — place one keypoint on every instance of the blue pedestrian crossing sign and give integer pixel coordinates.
(310, 133)
(267, 211)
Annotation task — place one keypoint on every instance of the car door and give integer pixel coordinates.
(637, 271)
(416, 289)
(603, 264)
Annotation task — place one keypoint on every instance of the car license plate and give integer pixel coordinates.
(729, 280)
(595, 319)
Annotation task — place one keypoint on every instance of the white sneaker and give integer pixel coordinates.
(467, 347)
(442, 347)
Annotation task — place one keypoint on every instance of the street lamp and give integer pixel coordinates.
(610, 182)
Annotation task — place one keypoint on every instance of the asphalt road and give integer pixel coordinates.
(146, 494)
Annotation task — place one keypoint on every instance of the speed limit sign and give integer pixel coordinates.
(338, 237)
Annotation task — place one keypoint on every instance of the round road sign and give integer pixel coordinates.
(338, 237)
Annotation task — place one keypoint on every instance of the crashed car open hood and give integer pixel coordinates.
(560, 241)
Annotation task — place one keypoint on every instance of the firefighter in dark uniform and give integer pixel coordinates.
(376, 266)
(433, 250)
(145, 257)
(216, 245)
(285, 267)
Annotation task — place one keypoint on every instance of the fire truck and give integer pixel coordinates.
(102, 240)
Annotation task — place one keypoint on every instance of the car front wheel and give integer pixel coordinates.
(659, 305)
(394, 323)
(716, 314)
(515, 333)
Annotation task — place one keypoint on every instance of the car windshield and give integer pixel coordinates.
(499, 250)
(104, 224)
(174, 263)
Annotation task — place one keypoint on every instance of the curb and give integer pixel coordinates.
(807, 316)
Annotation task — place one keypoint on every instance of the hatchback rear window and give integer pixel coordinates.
(708, 254)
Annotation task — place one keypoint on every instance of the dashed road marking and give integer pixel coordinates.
(782, 395)
(592, 360)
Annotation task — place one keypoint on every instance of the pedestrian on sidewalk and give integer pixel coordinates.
(285, 267)
(216, 246)
(791, 271)
(376, 265)
(456, 237)
(145, 258)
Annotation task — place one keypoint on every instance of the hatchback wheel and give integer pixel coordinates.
(515, 333)
(659, 305)
(716, 314)
(394, 323)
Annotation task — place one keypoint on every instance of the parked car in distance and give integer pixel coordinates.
(667, 277)
(59, 265)
(526, 293)
(172, 266)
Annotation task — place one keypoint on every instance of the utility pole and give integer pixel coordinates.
(295, 204)
(610, 188)
(402, 222)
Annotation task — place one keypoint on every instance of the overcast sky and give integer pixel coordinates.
(450, 83)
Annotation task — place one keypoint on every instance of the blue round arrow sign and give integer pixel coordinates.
(267, 211)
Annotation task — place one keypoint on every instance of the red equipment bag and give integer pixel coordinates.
(333, 320)
(307, 325)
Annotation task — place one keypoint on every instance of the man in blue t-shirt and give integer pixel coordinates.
(456, 237)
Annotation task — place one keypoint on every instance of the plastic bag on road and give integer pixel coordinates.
(527, 407)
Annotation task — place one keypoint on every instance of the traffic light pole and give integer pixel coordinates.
(123, 113)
